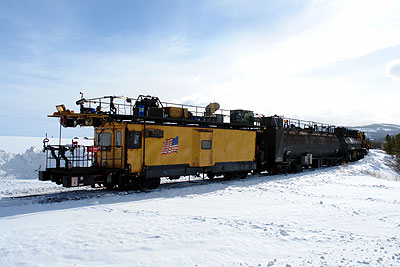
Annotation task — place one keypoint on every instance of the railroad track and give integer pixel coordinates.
(91, 193)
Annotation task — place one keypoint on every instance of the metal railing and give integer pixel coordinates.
(120, 105)
(311, 125)
(79, 156)
(125, 106)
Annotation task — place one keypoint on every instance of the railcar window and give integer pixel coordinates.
(134, 139)
(104, 139)
(206, 144)
(118, 139)
(156, 133)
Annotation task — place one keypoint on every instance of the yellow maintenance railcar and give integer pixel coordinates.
(154, 151)
(139, 149)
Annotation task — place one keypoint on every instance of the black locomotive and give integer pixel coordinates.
(289, 145)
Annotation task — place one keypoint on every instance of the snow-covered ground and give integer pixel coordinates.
(340, 216)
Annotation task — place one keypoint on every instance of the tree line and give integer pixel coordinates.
(392, 144)
(392, 147)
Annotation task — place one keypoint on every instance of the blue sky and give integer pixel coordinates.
(331, 61)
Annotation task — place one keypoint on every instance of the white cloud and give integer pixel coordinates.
(361, 27)
(274, 78)
(393, 69)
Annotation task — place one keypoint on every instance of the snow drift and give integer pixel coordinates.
(22, 166)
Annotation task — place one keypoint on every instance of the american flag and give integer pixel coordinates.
(170, 145)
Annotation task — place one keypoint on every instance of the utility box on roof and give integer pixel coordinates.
(240, 116)
(176, 113)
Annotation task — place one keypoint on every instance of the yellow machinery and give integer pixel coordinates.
(171, 145)
(149, 142)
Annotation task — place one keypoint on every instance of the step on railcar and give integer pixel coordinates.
(138, 141)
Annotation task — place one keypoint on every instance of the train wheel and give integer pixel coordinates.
(210, 175)
(123, 187)
(110, 186)
(285, 169)
(129, 183)
(296, 168)
(228, 176)
(153, 183)
(243, 174)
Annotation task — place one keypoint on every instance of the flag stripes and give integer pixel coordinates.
(170, 145)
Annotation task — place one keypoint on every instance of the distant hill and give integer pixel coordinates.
(378, 131)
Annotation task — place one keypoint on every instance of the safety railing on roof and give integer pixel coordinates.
(310, 125)
(120, 105)
(108, 105)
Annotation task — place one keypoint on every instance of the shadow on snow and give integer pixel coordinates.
(22, 205)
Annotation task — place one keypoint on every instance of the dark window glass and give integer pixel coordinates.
(156, 133)
(104, 139)
(118, 139)
(206, 144)
(134, 139)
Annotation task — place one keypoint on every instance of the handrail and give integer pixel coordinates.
(81, 156)
(126, 107)
(121, 105)
(317, 126)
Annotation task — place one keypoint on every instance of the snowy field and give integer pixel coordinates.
(340, 216)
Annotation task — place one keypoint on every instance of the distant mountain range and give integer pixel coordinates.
(378, 131)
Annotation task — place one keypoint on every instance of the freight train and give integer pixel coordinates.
(139, 141)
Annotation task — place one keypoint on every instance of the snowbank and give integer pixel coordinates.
(22, 166)
(4, 157)
(378, 164)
